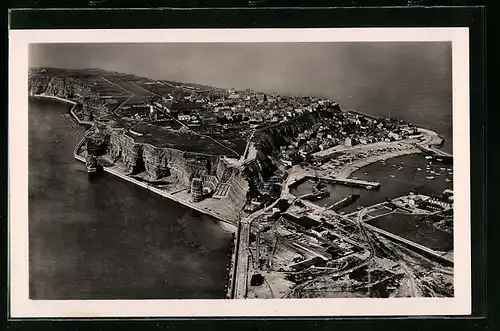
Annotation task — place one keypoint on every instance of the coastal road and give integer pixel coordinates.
(241, 268)
(242, 258)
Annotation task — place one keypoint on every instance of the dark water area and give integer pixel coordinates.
(413, 228)
(104, 238)
(404, 180)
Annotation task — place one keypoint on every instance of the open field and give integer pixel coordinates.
(156, 88)
(189, 142)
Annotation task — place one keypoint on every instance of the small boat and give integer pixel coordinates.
(447, 180)
(441, 169)
(400, 168)
(419, 169)
(449, 169)
(440, 160)
(366, 173)
(432, 172)
(394, 165)
(392, 176)
(428, 157)
(430, 177)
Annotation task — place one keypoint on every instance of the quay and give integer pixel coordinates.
(240, 276)
(335, 180)
(435, 152)
(352, 182)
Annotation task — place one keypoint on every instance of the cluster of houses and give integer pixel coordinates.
(346, 128)
(232, 107)
(259, 109)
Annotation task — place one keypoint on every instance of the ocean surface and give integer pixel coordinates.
(104, 238)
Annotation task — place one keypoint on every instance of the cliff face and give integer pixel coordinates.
(155, 162)
(269, 140)
(90, 105)
(238, 192)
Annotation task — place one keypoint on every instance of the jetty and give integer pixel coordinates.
(336, 180)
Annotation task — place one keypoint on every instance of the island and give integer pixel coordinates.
(240, 156)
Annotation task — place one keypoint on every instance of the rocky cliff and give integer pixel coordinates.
(269, 139)
(89, 103)
(268, 142)
(156, 163)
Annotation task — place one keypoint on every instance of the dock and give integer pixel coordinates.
(335, 180)
(353, 182)
(435, 152)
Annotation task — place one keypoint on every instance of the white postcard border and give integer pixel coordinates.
(22, 306)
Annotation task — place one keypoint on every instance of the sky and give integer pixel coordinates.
(411, 80)
(307, 67)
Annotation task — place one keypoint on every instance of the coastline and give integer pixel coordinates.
(348, 170)
(225, 223)
(230, 224)
(236, 280)
(72, 110)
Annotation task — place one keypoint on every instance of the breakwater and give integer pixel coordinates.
(72, 109)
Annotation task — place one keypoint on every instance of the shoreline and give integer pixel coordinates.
(72, 109)
(235, 285)
(349, 169)
(225, 223)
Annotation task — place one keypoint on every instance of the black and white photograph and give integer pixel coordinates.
(242, 172)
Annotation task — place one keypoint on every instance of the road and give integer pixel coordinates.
(248, 145)
(242, 257)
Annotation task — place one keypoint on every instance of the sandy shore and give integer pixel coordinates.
(349, 169)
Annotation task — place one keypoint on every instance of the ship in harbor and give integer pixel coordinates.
(344, 202)
(319, 191)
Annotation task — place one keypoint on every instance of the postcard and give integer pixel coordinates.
(245, 172)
